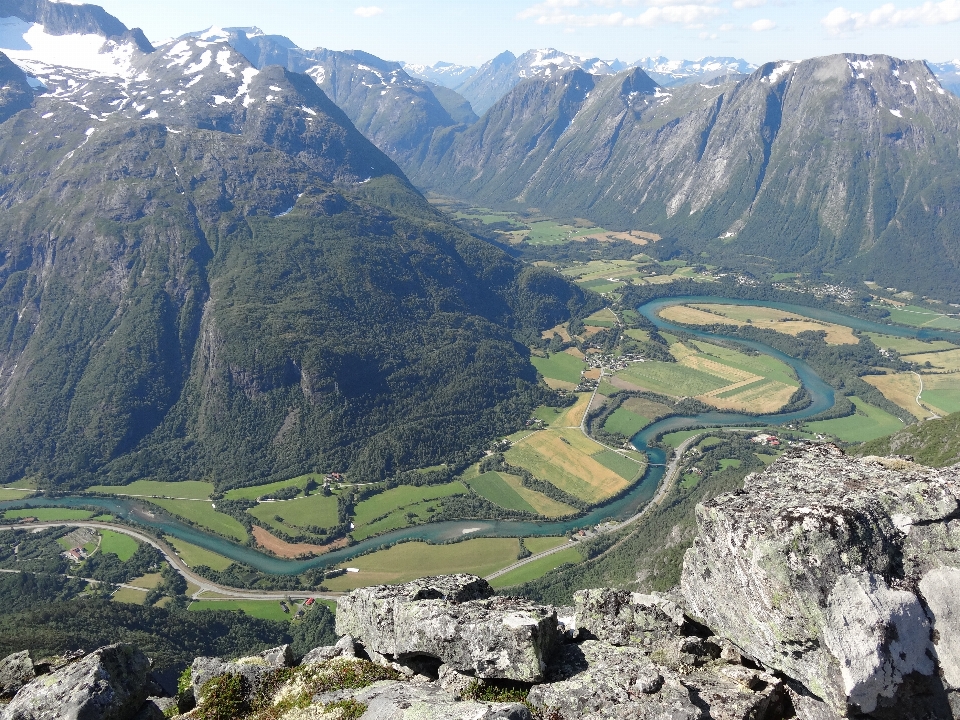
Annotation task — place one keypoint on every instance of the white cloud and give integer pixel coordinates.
(727, 27)
(840, 20)
(741, 4)
(762, 25)
(368, 11)
(583, 13)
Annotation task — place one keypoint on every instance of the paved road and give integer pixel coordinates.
(204, 585)
(669, 477)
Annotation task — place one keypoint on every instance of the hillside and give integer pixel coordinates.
(850, 162)
(935, 443)
(207, 271)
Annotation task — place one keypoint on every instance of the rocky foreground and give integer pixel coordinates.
(828, 588)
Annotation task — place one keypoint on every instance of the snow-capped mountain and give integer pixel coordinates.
(948, 73)
(448, 75)
(677, 72)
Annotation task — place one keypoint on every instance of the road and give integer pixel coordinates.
(669, 478)
(933, 415)
(204, 585)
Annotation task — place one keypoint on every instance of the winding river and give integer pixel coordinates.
(822, 399)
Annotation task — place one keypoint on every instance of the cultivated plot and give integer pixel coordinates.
(868, 423)
(191, 489)
(761, 317)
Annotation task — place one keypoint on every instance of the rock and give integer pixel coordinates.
(16, 670)
(453, 682)
(109, 684)
(154, 708)
(596, 677)
(343, 648)
(620, 617)
(453, 620)
(407, 701)
(818, 568)
(252, 669)
(347, 646)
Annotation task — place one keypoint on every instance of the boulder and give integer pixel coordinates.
(821, 568)
(344, 647)
(389, 700)
(620, 617)
(16, 670)
(454, 620)
(253, 669)
(109, 684)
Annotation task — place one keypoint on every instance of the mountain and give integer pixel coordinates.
(397, 112)
(935, 443)
(207, 271)
(454, 103)
(668, 73)
(446, 74)
(948, 73)
(847, 162)
(499, 76)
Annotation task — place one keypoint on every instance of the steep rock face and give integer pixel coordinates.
(836, 572)
(820, 162)
(454, 620)
(16, 670)
(15, 91)
(109, 684)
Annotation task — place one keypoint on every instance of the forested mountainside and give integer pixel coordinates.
(935, 443)
(206, 270)
(845, 162)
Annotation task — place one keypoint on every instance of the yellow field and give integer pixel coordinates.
(575, 352)
(573, 417)
(555, 384)
(564, 464)
(946, 361)
(705, 364)
(765, 398)
(761, 317)
(548, 507)
(900, 389)
(560, 330)
(130, 596)
(147, 581)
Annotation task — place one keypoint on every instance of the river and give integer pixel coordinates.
(822, 399)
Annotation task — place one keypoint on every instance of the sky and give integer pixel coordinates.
(469, 32)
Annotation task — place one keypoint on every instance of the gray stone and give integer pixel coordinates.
(347, 646)
(453, 682)
(814, 570)
(407, 701)
(16, 670)
(343, 648)
(596, 677)
(452, 620)
(620, 617)
(941, 589)
(109, 684)
(154, 708)
(254, 669)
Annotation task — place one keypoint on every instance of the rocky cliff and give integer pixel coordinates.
(825, 589)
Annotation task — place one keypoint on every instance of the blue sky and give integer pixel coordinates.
(472, 31)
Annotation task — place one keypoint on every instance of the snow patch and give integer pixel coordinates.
(896, 113)
(779, 71)
(46, 115)
(203, 62)
(150, 115)
(275, 88)
(23, 41)
(223, 60)
(308, 110)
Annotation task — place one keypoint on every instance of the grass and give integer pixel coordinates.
(917, 316)
(559, 366)
(194, 555)
(537, 568)
(14, 494)
(103, 518)
(946, 361)
(302, 511)
(408, 561)
(388, 501)
(909, 346)
(149, 581)
(672, 379)
(263, 609)
(193, 489)
(255, 491)
(129, 596)
(675, 439)
(625, 422)
(900, 388)
(491, 486)
(868, 423)
(548, 232)
(540, 544)
(123, 546)
(204, 515)
(602, 318)
(548, 507)
(942, 392)
(730, 463)
(49, 514)
(622, 466)
(762, 317)
(689, 481)
(400, 518)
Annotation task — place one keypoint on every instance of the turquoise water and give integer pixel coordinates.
(822, 399)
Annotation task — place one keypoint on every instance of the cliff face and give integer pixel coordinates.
(826, 589)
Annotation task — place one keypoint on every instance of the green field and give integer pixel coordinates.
(539, 544)
(548, 232)
(400, 497)
(947, 399)
(129, 596)
(764, 365)
(868, 423)
(14, 494)
(204, 515)
(103, 518)
(560, 366)
(537, 568)
(123, 546)
(729, 463)
(909, 346)
(622, 466)
(493, 487)
(263, 609)
(193, 555)
(921, 317)
(675, 439)
(625, 422)
(302, 511)
(602, 318)
(408, 561)
(672, 378)
(255, 491)
(193, 489)
(49, 514)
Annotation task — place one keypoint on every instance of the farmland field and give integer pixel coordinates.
(672, 378)
(602, 318)
(942, 392)
(922, 317)
(193, 489)
(900, 389)
(537, 568)
(49, 514)
(129, 596)
(302, 511)
(871, 424)
(401, 497)
(149, 581)
(908, 346)
(255, 491)
(263, 609)
(14, 494)
(493, 487)
(123, 546)
(203, 514)
(945, 361)
(408, 561)
(560, 366)
(193, 555)
(675, 439)
(761, 317)
(625, 422)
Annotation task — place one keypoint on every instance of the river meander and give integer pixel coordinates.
(822, 396)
